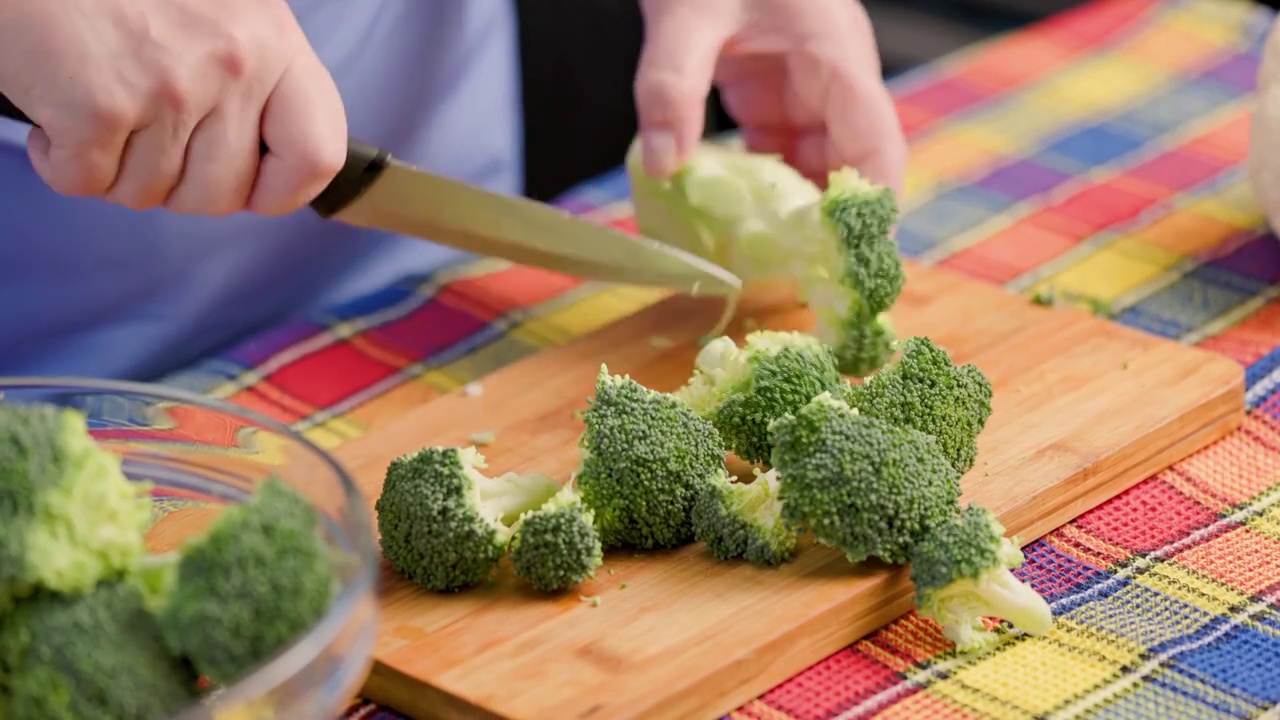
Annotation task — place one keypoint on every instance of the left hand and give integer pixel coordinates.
(801, 78)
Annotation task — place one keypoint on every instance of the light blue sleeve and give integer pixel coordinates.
(87, 288)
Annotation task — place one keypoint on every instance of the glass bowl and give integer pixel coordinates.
(201, 455)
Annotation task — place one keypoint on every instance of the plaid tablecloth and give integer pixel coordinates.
(1098, 154)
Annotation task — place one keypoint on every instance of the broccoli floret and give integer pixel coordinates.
(744, 520)
(860, 484)
(644, 454)
(97, 654)
(557, 546)
(445, 525)
(753, 214)
(742, 390)
(69, 518)
(961, 572)
(259, 578)
(855, 273)
(924, 390)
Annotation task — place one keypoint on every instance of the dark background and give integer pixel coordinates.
(579, 58)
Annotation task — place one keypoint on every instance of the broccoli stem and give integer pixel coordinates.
(511, 495)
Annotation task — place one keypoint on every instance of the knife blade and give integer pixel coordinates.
(377, 191)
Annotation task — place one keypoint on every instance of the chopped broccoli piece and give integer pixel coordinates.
(258, 578)
(753, 214)
(445, 525)
(860, 484)
(857, 273)
(924, 390)
(69, 518)
(644, 453)
(742, 390)
(557, 546)
(744, 520)
(961, 572)
(96, 654)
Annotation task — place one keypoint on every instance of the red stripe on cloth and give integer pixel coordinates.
(1179, 169)
(839, 681)
(1096, 22)
(1105, 204)
(265, 399)
(330, 375)
(1229, 140)
(1146, 517)
(492, 296)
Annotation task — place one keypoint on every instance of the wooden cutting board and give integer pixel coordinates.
(1083, 409)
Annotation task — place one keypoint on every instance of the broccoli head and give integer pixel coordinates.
(96, 654)
(69, 517)
(855, 273)
(744, 520)
(755, 215)
(961, 572)
(742, 390)
(644, 454)
(860, 484)
(258, 579)
(924, 390)
(557, 546)
(445, 525)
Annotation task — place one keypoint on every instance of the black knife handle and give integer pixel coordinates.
(363, 165)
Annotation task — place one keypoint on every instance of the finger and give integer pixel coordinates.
(768, 140)
(305, 127)
(151, 163)
(864, 132)
(221, 163)
(673, 80)
(80, 160)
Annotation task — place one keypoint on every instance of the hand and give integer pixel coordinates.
(151, 103)
(800, 77)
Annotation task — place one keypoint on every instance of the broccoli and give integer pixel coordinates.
(741, 390)
(644, 453)
(744, 520)
(756, 216)
(445, 525)
(557, 546)
(961, 572)
(257, 579)
(96, 654)
(856, 274)
(924, 390)
(860, 484)
(69, 518)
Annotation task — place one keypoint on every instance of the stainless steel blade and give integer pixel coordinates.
(413, 202)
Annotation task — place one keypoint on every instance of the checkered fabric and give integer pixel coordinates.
(1097, 154)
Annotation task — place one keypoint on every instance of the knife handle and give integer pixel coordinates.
(363, 165)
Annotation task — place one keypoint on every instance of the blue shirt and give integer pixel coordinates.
(88, 288)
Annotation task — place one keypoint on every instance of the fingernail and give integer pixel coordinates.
(660, 156)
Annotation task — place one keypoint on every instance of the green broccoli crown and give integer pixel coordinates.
(742, 390)
(961, 572)
(69, 518)
(444, 524)
(557, 546)
(98, 654)
(860, 484)
(862, 344)
(644, 453)
(924, 390)
(744, 520)
(258, 579)
(862, 215)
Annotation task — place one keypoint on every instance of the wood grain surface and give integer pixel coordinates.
(1083, 409)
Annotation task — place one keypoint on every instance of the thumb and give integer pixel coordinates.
(682, 42)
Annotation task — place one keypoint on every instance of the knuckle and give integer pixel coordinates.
(170, 93)
(664, 89)
(322, 162)
(232, 56)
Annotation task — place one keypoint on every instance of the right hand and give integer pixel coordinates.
(163, 103)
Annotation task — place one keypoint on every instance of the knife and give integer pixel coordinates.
(374, 190)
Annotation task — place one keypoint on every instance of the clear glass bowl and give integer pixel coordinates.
(201, 455)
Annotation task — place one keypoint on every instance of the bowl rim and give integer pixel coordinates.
(287, 662)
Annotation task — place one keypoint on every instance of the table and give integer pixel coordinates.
(1098, 154)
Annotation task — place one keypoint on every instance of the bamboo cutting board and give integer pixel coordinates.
(1083, 409)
